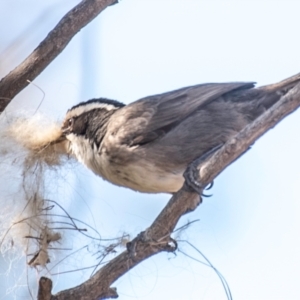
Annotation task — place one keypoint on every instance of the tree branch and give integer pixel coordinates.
(158, 235)
(49, 48)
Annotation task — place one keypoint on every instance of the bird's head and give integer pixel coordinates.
(84, 127)
(85, 123)
(87, 117)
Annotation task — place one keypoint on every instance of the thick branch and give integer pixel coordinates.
(49, 48)
(98, 287)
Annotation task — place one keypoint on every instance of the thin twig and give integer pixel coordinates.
(49, 48)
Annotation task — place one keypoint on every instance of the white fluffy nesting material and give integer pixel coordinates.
(36, 134)
(27, 153)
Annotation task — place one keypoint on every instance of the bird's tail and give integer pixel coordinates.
(283, 86)
(273, 92)
(265, 96)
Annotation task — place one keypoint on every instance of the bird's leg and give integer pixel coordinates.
(191, 174)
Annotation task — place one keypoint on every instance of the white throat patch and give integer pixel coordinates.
(83, 150)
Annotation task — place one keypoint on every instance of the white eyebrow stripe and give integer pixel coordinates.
(85, 107)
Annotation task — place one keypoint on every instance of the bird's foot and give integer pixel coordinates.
(191, 174)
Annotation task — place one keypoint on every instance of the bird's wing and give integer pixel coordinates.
(150, 118)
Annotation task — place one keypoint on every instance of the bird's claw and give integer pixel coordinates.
(191, 178)
(191, 175)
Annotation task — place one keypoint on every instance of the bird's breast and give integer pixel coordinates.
(140, 174)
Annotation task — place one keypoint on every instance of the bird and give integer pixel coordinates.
(148, 144)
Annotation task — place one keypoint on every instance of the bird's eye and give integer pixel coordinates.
(71, 122)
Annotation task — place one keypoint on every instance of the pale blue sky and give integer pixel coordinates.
(250, 228)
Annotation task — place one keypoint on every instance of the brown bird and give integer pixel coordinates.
(148, 144)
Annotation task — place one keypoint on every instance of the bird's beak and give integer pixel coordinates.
(61, 144)
(61, 139)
